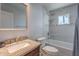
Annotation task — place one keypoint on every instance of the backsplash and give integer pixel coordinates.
(7, 34)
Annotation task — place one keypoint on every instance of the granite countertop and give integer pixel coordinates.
(19, 48)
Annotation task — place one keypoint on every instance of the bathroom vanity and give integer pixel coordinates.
(22, 48)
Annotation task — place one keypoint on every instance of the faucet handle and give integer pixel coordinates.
(17, 38)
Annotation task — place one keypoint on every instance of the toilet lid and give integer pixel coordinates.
(50, 49)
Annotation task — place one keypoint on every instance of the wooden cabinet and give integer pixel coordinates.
(34, 52)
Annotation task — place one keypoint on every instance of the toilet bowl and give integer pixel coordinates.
(47, 50)
(50, 51)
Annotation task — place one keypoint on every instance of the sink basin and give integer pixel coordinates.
(16, 47)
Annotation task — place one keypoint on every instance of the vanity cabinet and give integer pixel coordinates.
(25, 47)
(34, 52)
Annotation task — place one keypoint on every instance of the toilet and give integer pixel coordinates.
(47, 50)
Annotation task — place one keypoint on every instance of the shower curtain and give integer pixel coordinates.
(76, 36)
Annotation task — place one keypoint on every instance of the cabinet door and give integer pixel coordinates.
(6, 19)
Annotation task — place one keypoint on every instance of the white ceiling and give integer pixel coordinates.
(53, 6)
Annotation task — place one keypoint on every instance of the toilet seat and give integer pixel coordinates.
(50, 49)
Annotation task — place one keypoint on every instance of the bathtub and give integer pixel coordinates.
(65, 48)
(61, 44)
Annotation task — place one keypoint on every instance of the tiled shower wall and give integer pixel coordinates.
(63, 32)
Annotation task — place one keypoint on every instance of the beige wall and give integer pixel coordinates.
(37, 23)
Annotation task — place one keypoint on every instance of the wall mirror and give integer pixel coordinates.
(13, 16)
